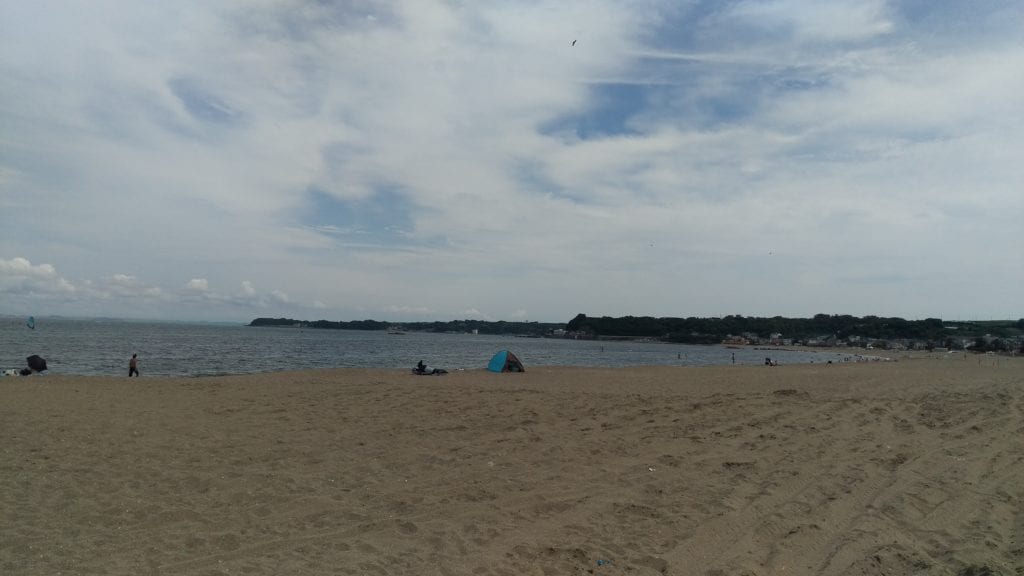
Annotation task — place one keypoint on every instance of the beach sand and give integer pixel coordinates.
(909, 467)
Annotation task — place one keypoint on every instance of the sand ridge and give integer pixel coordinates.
(849, 469)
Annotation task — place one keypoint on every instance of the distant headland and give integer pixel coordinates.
(821, 330)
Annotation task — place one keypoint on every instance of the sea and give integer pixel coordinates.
(104, 347)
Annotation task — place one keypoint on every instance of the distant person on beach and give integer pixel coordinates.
(133, 366)
(423, 369)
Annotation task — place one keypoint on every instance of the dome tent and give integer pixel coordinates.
(505, 361)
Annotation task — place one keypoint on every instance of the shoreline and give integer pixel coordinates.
(888, 467)
(839, 356)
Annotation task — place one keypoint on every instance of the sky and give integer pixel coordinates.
(419, 160)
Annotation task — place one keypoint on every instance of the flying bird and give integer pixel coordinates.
(573, 43)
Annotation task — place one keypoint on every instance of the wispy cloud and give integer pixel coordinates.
(430, 159)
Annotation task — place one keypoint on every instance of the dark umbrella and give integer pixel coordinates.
(36, 363)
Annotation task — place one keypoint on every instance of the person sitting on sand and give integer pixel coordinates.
(423, 369)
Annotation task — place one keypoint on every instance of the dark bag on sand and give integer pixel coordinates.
(36, 363)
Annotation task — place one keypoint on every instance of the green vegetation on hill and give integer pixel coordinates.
(681, 329)
(836, 327)
(824, 329)
(460, 326)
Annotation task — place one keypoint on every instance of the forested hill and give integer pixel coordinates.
(700, 330)
(840, 327)
(460, 326)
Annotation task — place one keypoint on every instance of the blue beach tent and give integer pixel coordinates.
(505, 361)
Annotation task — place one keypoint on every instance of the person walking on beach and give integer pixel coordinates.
(133, 365)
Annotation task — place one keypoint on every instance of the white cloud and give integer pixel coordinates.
(468, 153)
(396, 310)
(819, 21)
(474, 314)
(124, 286)
(24, 285)
(19, 277)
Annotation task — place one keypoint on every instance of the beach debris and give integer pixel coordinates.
(786, 392)
(602, 562)
(737, 465)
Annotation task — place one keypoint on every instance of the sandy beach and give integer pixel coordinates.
(900, 468)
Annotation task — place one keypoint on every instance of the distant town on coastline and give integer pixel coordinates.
(822, 330)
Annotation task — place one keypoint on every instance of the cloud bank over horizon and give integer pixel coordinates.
(419, 160)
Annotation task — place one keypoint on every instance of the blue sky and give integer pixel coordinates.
(421, 160)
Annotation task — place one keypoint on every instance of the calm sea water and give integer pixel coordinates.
(103, 347)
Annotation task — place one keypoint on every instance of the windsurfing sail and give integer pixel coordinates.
(31, 322)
